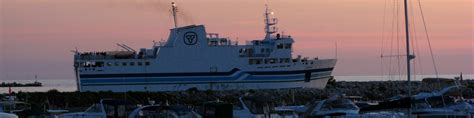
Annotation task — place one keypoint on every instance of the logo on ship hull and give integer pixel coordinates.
(190, 38)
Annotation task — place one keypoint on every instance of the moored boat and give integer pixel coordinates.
(335, 106)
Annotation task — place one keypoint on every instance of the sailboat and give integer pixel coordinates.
(425, 104)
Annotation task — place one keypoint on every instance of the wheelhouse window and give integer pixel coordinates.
(132, 63)
(147, 63)
(255, 61)
(93, 64)
(124, 63)
(279, 46)
(139, 63)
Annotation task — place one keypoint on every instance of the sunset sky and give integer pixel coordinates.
(37, 36)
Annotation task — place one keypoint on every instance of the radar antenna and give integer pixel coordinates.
(269, 22)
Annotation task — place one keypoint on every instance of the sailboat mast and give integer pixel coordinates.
(407, 34)
(409, 56)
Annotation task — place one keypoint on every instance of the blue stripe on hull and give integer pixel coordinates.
(200, 73)
(274, 78)
(221, 79)
(319, 83)
(166, 79)
(202, 82)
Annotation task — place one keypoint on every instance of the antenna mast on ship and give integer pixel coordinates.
(269, 22)
(174, 9)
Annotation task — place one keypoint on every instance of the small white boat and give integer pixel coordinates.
(11, 108)
(157, 111)
(360, 102)
(333, 107)
(441, 104)
(6, 115)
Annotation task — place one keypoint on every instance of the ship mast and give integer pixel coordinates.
(269, 22)
(174, 9)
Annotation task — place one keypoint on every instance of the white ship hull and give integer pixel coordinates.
(235, 80)
(317, 83)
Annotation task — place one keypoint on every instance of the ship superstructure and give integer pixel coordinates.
(194, 58)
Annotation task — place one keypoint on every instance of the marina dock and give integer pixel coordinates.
(369, 91)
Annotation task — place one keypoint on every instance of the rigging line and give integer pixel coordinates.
(428, 39)
(395, 39)
(415, 43)
(390, 71)
(383, 38)
(431, 51)
(413, 37)
(398, 42)
(416, 50)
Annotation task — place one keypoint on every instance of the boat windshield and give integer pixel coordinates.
(440, 102)
(154, 112)
(94, 109)
(260, 107)
(338, 104)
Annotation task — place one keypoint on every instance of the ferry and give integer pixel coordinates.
(194, 58)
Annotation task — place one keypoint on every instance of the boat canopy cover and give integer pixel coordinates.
(401, 103)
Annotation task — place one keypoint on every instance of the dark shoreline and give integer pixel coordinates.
(373, 90)
(15, 84)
